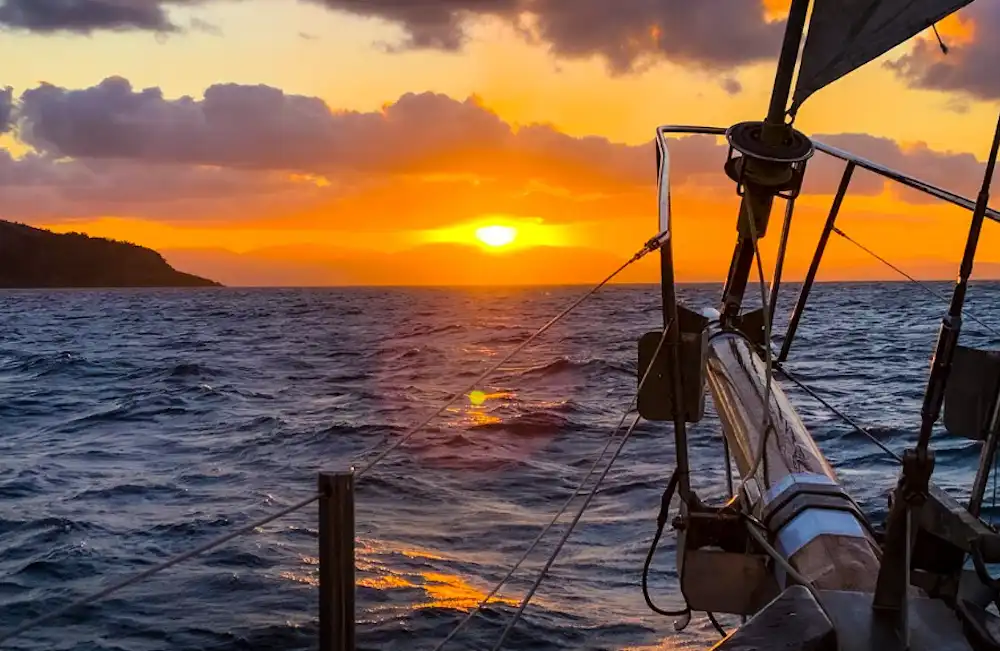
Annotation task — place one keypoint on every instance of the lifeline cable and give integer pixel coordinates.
(566, 535)
(135, 578)
(565, 505)
(651, 245)
(924, 286)
(836, 412)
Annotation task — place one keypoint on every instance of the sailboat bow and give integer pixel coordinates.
(790, 549)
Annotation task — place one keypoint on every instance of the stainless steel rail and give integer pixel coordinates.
(852, 161)
(886, 172)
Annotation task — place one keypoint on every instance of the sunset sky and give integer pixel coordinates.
(313, 142)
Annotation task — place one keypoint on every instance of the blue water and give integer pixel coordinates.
(135, 425)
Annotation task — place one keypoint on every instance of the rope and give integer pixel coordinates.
(566, 535)
(562, 509)
(651, 245)
(927, 288)
(135, 578)
(661, 522)
(716, 625)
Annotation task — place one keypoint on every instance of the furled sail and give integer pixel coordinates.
(846, 34)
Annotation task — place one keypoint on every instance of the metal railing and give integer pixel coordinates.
(876, 168)
(852, 161)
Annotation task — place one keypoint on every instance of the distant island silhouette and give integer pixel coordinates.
(34, 258)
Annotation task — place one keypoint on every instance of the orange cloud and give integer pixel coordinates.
(392, 190)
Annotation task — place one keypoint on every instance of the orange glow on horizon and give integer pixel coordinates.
(924, 239)
(552, 193)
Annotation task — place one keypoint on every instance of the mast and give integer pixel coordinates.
(764, 170)
(785, 73)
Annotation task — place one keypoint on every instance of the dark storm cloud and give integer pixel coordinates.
(969, 68)
(716, 34)
(86, 16)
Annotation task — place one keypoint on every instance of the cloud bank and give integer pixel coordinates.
(716, 34)
(713, 35)
(87, 16)
(425, 160)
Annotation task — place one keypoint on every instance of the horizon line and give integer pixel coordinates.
(469, 286)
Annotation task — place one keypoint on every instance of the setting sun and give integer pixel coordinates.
(496, 235)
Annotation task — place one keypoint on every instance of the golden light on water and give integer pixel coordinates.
(477, 412)
(439, 588)
(496, 235)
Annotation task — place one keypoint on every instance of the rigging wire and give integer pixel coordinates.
(941, 43)
(562, 541)
(836, 412)
(767, 425)
(844, 417)
(651, 245)
(927, 288)
(482, 604)
(765, 303)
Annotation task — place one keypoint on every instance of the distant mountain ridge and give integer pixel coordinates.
(36, 258)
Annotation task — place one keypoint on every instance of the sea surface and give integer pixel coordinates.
(138, 424)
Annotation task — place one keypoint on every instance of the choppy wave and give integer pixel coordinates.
(136, 424)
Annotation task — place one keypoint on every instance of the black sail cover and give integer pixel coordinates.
(846, 34)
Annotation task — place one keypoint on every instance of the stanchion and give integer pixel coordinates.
(336, 561)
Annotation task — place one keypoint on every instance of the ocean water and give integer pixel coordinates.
(136, 424)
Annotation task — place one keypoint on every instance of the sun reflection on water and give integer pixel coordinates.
(482, 409)
(441, 590)
(437, 587)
